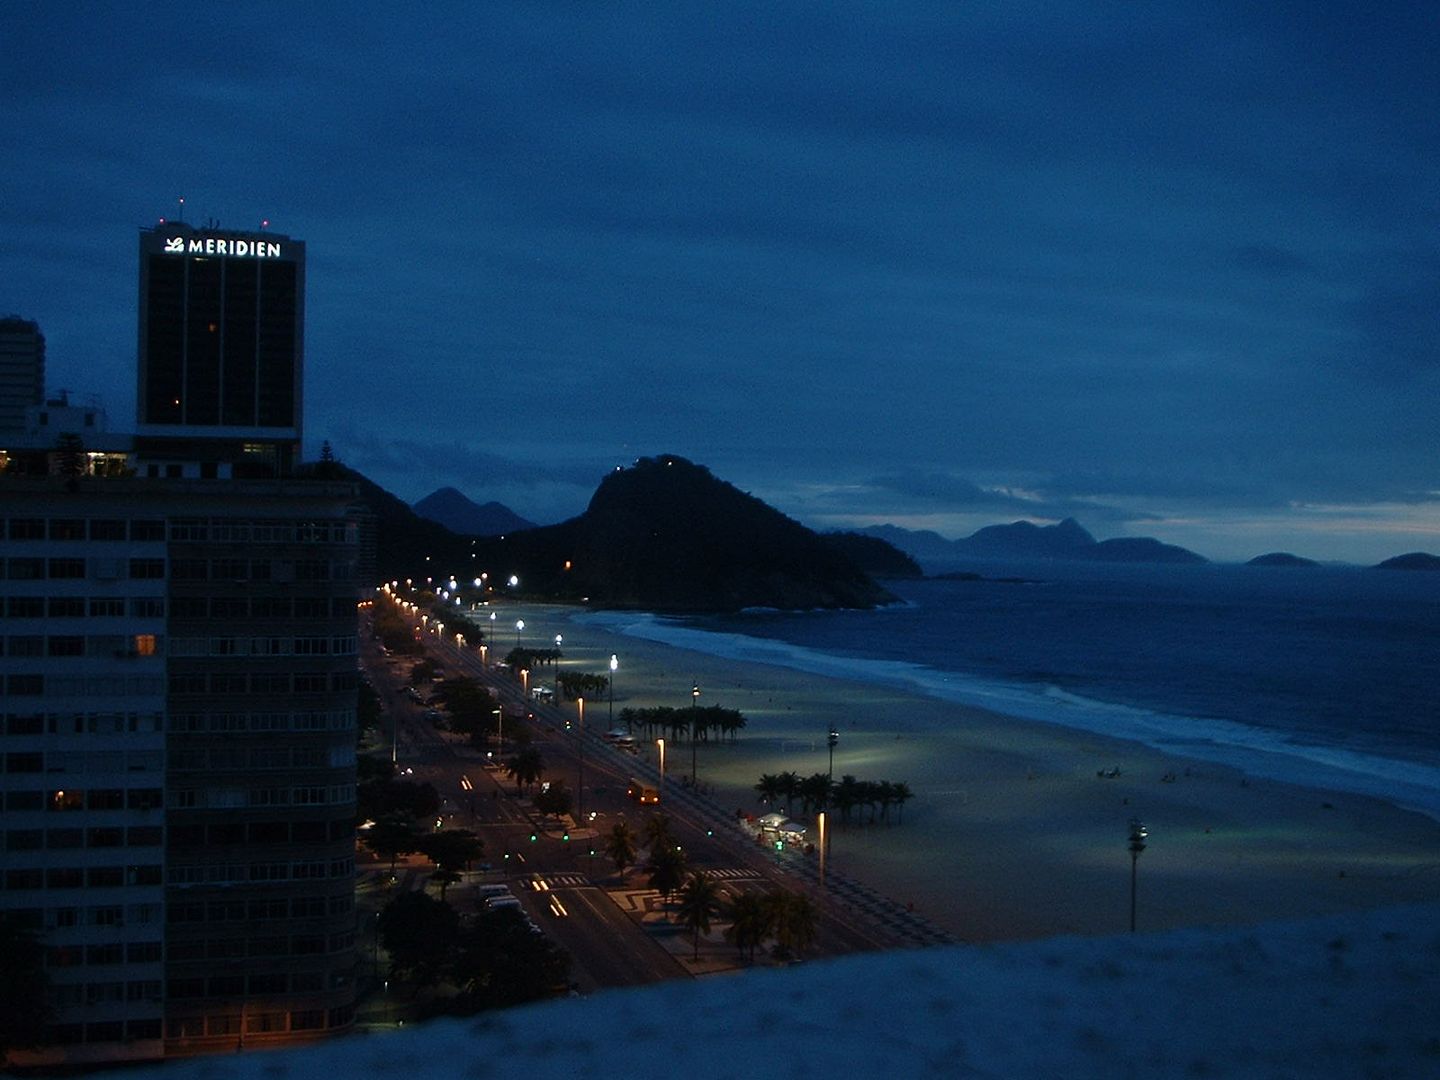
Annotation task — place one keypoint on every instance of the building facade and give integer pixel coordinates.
(177, 734)
(22, 370)
(221, 350)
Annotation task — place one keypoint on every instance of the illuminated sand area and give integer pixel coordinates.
(1011, 833)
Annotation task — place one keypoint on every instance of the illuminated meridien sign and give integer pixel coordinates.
(219, 245)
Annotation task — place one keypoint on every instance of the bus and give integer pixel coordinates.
(642, 792)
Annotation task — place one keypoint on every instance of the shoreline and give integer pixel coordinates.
(1011, 833)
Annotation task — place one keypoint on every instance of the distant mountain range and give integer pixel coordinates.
(666, 535)
(1026, 540)
(458, 514)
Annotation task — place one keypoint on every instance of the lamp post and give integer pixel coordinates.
(821, 821)
(519, 629)
(580, 782)
(558, 639)
(614, 666)
(661, 744)
(1137, 845)
(832, 739)
(492, 627)
(694, 733)
(499, 728)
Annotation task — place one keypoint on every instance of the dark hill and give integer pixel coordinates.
(1139, 549)
(1415, 560)
(1026, 540)
(464, 517)
(666, 534)
(873, 555)
(1280, 558)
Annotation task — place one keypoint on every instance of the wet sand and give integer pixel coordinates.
(1011, 833)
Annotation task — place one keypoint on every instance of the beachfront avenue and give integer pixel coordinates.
(617, 929)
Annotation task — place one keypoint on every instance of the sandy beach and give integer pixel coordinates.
(1011, 834)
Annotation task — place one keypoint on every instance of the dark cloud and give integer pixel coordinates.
(1051, 257)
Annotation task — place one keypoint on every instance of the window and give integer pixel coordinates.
(107, 529)
(67, 800)
(65, 607)
(307, 1020)
(27, 528)
(147, 530)
(25, 607)
(66, 568)
(105, 877)
(142, 952)
(24, 763)
(67, 529)
(25, 569)
(145, 1029)
(65, 877)
(24, 840)
(148, 607)
(18, 645)
(106, 607)
(66, 645)
(147, 569)
(109, 953)
(144, 798)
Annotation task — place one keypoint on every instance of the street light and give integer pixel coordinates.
(694, 733)
(661, 744)
(614, 666)
(580, 783)
(832, 739)
(519, 629)
(558, 639)
(1137, 845)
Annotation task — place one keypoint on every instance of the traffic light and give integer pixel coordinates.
(534, 837)
(565, 837)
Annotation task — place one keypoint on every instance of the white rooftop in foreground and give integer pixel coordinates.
(1341, 997)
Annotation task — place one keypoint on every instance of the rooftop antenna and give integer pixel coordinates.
(264, 223)
(182, 208)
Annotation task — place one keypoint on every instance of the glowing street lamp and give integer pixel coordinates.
(832, 739)
(519, 629)
(558, 639)
(580, 782)
(694, 732)
(661, 744)
(1138, 834)
(614, 666)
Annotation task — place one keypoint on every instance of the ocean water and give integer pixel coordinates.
(1328, 676)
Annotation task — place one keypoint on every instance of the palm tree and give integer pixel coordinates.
(815, 791)
(444, 876)
(846, 796)
(621, 846)
(768, 788)
(749, 923)
(524, 768)
(666, 868)
(793, 919)
(789, 787)
(699, 902)
(901, 794)
(657, 832)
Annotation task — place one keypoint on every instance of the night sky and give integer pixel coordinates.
(1169, 269)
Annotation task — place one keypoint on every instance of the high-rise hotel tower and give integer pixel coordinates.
(178, 690)
(221, 350)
